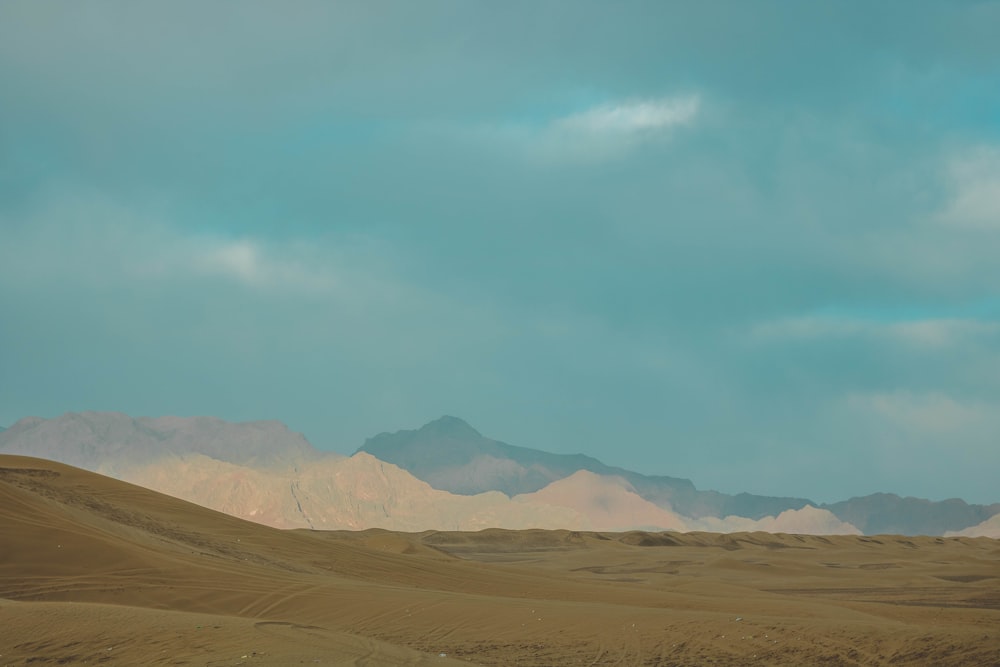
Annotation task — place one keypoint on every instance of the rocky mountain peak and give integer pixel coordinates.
(450, 427)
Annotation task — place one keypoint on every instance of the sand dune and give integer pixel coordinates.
(96, 570)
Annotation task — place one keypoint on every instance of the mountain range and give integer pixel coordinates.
(451, 455)
(443, 476)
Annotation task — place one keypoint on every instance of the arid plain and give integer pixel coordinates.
(97, 571)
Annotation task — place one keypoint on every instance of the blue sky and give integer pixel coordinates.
(752, 244)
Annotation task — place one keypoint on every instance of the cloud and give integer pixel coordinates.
(91, 240)
(938, 423)
(612, 131)
(930, 332)
(941, 332)
(935, 436)
(926, 413)
(974, 178)
(604, 132)
(256, 265)
(632, 118)
(240, 259)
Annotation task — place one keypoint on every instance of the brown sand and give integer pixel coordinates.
(96, 571)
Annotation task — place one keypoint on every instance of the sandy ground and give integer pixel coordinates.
(95, 571)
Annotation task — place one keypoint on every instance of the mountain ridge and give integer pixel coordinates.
(265, 472)
(111, 440)
(888, 513)
(466, 462)
(484, 467)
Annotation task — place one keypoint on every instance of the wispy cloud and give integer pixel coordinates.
(254, 264)
(974, 178)
(612, 131)
(927, 413)
(603, 132)
(94, 241)
(936, 434)
(931, 332)
(632, 118)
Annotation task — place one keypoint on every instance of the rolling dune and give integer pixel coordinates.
(94, 570)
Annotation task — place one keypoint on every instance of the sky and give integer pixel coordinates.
(754, 244)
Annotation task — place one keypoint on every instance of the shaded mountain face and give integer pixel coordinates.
(889, 513)
(450, 455)
(111, 440)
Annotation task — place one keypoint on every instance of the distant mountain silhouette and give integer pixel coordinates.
(450, 455)
(106, 441)
(889, 513)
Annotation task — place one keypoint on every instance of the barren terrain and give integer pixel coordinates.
(97, 571)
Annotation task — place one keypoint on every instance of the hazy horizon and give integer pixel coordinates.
(360, 448)
(749, 244)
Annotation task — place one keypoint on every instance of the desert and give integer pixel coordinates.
(98, 571)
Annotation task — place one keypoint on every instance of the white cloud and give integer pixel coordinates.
(899, 436)
(604, 132)
(915, 432)
(975, 182)
(931, 332)
(943, 331)
(240, 259)
(632, 117)
(257, 265)
(94, 241)
(611, 131)
(924, 413)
